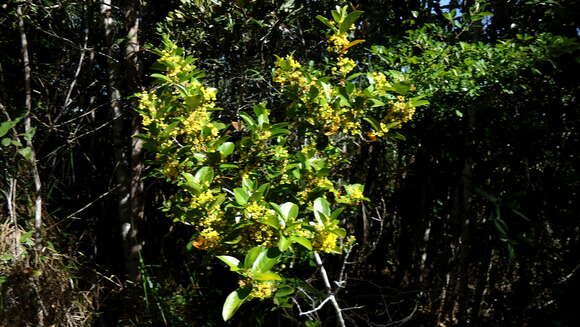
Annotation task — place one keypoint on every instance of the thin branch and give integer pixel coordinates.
(329, 289)
(329, 298)
(78, 71)
(72, 215)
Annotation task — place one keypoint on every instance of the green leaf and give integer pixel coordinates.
(349, 20)
(272, 221)
(6, 141)
(336, 15)
(226, 149)
(241, 196)
(251, 256)
(284, 291)
(249, 121)
(26, 236)
(340, 232)
(326, 22)
(266, 259)
(284, 243)
(321, 206)
(228, 166)
(230, 261)
(302, 241)
(7, 125)
(267, 275)
(191, 184)
(402, 88)
(418, 101)
(289, 210)
(277, 209)
(26, 153)
(162, 78)
(374, 124)
(233, 303)
(204, 175)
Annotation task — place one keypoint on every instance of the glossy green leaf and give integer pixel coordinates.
(289, 210)
(232, 262)
(266, 259)
(267, 275)
(326, 22)
(349, 20)
(233, 303)
(204, 175)
(191, 184)
(7, 125)
(284, 243)
(226, 148)
(26, 153)
(302, 241)
(248, 120)
(241, 196)
(284, 291)
(321, 206)
(251, 256)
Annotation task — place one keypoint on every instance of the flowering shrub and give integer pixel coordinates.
(252, 189)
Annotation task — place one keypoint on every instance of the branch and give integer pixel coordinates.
(329, 289)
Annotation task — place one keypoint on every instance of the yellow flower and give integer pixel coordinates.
(345, 65)
(326, 241)
(262, 289)
(338, 42)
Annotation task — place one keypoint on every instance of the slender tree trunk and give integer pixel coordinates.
(122, 168)
(28, 130)
(133, 76)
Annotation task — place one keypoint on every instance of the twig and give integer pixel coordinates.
(329, 289)
(77, 72)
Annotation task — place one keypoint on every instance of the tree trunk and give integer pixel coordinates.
(122, 172)
(31, 156)
(133, 76)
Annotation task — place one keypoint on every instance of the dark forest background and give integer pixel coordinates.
(474, 216)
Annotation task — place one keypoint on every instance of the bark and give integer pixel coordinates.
(28, 130)
(133, 75)
(122, 172)
(32, 157)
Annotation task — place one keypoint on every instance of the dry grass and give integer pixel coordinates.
(40, 290)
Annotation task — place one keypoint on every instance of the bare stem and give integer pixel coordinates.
(331, 297)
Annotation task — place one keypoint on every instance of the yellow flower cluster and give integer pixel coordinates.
(334, 120)
(195, 121)
(301, 232)
(355, 192)
(288, 72)
(380, 81)
(262, 289)
(201, 200)
(208, 238)
(325, 241)
(259, 235)
(148, 107)
(338, 42)
(170, 168)
(383, 130)
(401, 111)
(256, 211)
(174, 63)
(345, 65)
